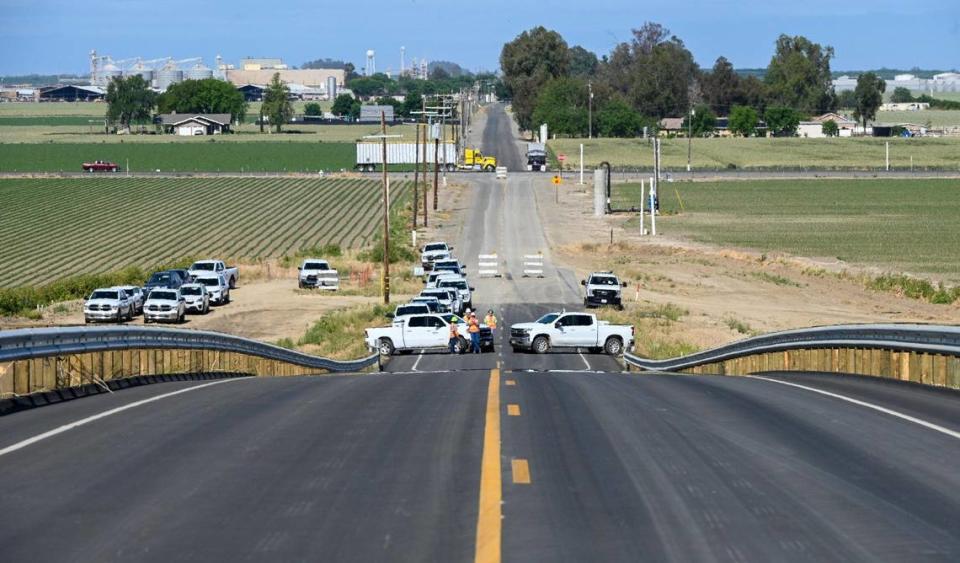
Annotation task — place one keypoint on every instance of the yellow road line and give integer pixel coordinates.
(511, 382)
(521, 471)
(489, 523)
(513, 410)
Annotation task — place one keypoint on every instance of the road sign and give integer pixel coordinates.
(556, 179)
(561, 157)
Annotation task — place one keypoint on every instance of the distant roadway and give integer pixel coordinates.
(519, 457)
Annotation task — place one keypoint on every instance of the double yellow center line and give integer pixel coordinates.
(489, 519)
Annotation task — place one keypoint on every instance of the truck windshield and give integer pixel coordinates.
(163, 277)
(209, 282)
(104, 295)
(459, 284)
(433, 247)
(163, 295)
(191, 291)
(207, 266)
(604, 280)
(316, 266)
(548, 318)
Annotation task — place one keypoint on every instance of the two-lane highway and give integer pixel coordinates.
(519, 457)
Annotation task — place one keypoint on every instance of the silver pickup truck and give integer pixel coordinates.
(571, 330)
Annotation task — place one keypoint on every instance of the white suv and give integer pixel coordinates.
(603, 288)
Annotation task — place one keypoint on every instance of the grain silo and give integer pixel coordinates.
(168, 75)
(142, 70)
(198, 72)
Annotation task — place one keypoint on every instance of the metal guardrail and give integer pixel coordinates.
(28, 343)
(930, 339)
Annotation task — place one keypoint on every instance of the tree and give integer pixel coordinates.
(782, 121)
(721, 87)
(830, 128)
(562, 105)
(129, 99)
(370, 86)
(583, 63)
(901, 95)
(209, 95)
(869, 96)
(411, 103)
(392, 102)
(276, 102)
(438, 73)
(798, 75)
(528, 62)
(313, 109)
(341, 105)
(325, 63)
(846, 99)
(617, 118)
(703, 122)
(743, 121)
(654, 72)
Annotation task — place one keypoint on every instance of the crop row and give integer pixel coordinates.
(53, 228)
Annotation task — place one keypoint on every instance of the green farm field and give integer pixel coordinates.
(54, 228)
(181, 157)
(904, 226)
(767, 154)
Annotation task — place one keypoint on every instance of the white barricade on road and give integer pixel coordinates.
(489, 266)
(533, 265)
(501, 172)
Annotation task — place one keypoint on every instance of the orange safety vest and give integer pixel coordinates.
(474, 326)
(491, 321)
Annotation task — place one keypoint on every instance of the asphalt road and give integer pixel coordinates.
(560, 457)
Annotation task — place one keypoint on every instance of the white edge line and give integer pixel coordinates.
(417, 363)
(83, 421)
(585, 362)
(878, 408)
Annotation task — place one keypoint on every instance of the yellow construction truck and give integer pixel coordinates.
(473, 159)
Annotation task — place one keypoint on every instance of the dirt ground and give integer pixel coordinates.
(727, 294)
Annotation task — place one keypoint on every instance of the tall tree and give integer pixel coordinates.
(782, 121)
(129, 99)
(528, 62)
(209, 95)
(869, 96)
(276, 102)
(703, 122)
(562, 105)
(617, 118)
(721, 87)
(901, 95)
(798, 75)
(583, 63)
(654, 72)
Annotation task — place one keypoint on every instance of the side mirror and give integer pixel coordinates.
(558, 324)
(473, 289)
(583, 283)
(450, 248)
(625, 284)
(300, 267)
(389, 315)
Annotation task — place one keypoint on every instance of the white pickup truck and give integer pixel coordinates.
(412, 332)
(202, 268)
(317, 273)
(431, 252)
(571, 330)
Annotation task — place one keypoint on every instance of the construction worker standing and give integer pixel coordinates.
(490, 320)
(454, 337)
(474, 329)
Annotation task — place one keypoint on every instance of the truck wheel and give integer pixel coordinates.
(541, 345)
(182, 318)
(516, 349)
(451, 168)
(613, 346)
(233, 283)
(226, 299)
(461, 346)
(490, 168)
(385, 347)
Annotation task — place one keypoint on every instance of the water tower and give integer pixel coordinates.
(371, 67)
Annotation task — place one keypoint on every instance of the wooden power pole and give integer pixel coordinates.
(416, 175)
(436, 170)
(386, 213)
(426, 191)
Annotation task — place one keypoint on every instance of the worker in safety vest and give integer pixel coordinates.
(454, 336)
(474, 329)
(490, 320)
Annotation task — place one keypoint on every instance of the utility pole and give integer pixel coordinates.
(416, 174)
(589, 111)
(386, 213)
(690, 137)
(425, 190)
(436, 170)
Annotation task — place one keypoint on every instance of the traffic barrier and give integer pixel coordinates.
(533, 265)
(928, 354)
(489, 266)
(501, 172)
(47, 359)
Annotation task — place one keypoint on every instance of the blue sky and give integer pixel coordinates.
(50, 36)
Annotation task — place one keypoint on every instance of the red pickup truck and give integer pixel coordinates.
(100, 166)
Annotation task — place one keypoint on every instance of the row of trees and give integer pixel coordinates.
(654, 75)
(130, 100)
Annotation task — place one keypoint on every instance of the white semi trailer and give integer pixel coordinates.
(370, 155)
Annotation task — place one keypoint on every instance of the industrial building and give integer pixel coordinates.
(943, 82)
(72, 93)
(159, 73)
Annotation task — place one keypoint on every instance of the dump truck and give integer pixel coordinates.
(536, 157)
